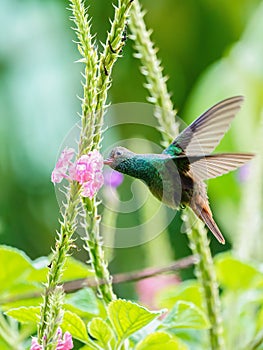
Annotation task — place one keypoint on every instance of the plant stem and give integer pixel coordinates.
(112, 50)
(93, 245)
(256, 342)
(156, 85)
(62, 247)
(90, 282)
(9, 336)
(87, 50)
(206, 276)
(152, 70)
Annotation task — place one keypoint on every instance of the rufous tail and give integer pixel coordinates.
(204, 213)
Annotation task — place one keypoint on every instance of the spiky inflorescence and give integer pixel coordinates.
(95, 87)
(205, 273)
(87, 49)
(112, 50)
(156, 85)
(152, 70)
(53, 319)
(47, 327)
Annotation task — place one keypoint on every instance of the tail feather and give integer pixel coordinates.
(211, 224)
(204, 213)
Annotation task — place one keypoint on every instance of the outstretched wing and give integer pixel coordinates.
(205, 133)
(215, 165)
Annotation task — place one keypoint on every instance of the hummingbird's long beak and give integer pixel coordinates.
(108, 161)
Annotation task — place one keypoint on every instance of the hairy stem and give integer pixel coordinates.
(152, 70)
(205, 273)
(54, 277)
(112, 50)
(156, 85)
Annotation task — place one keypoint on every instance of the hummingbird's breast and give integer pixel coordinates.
(166, 178)
(167, 185)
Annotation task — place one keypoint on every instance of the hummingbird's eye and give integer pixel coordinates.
(118, 153)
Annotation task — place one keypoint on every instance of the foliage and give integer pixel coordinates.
(123, 320)
(123, 324)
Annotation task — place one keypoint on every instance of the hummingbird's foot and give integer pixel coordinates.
(182, 206)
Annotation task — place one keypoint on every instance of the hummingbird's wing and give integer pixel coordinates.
(214, 165)
(205, 133)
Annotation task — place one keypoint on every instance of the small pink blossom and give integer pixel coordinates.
(91, 187)
(63, 163)
(84, 169)
(35, 345)
(87, 170)
(148, 288)
(64, 343)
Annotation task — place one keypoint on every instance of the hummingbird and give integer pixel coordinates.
(176, 176)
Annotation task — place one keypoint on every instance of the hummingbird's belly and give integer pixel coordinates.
(168, 189)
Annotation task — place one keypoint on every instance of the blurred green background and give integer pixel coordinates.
(210, 50)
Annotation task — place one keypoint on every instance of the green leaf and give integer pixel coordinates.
(235, 274)
(185, 291)
(128, 317)
(161, 340)
(4, 345)
(85, 300)
(75, 269)
(25, 314)
(15, 267)
(89, 346)
(101, 331)
(74, 324)
(186, 315)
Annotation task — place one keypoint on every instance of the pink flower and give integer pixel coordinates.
(148, 288)
(87, 170)
(83, 169)
(91, 187)
(64, 343)
(63, 163)
(35, 345)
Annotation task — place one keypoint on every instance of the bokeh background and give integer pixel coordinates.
(210, 50)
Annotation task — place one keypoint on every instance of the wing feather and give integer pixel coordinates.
(205, 133)
(215, 165)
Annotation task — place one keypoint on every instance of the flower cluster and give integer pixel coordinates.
(87, 170)
(64, 343)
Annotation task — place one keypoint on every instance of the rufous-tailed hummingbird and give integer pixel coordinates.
(176, 176)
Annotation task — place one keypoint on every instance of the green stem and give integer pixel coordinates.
(256, 342)
(95, 86)
(156, 85)
(86, 47)
(10, 336)
(110, 54)
(112, 50)
(152, 70)
(93, 245)
(206, 276)
(54, 277)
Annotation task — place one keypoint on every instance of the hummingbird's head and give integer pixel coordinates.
(119, 155)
